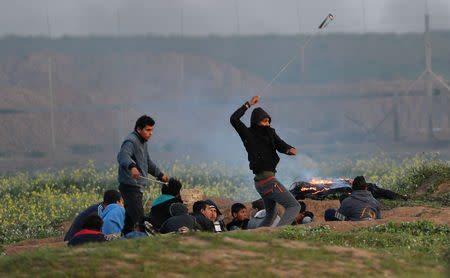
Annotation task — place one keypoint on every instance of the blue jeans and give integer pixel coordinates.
(273, 192)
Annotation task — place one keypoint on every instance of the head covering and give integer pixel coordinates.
(212, 204)
(178, 209)
(258, 114)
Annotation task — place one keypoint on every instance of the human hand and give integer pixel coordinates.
(292, 151)
(254, 100)
(134, 173)
(165, 178)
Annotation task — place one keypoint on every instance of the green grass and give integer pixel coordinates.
(418, 249)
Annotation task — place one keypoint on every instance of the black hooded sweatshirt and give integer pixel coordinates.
(261, 142)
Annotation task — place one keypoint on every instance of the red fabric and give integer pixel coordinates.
(88, 232)
(264, 181)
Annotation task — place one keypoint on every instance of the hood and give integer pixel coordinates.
(362, 195)
(212, 203)
(178, 209)
(161, 199)
(258, 114)
(109, 208)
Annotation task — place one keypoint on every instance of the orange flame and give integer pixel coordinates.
(317, 181)
(308, 188)
(324, 189)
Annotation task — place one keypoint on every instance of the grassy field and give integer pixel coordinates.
(33, 204)
(417, 249)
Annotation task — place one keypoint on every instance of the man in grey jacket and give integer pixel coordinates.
(359, 206)
(134, 166)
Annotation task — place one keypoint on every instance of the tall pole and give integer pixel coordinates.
(363, 7)
(118, 23)
(50, 86)
(429, 80)
(181, 81)
(395, 117)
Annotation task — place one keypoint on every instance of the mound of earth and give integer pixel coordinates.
(397, 215)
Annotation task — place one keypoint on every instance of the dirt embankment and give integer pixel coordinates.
(400, 214)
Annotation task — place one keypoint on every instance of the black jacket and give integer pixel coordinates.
(86, 236)
(180, 218)
(160, 213)
(205, 224)
(236, 224)
(261, 143)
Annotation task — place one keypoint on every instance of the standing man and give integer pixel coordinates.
(262, 144)
(134, 165)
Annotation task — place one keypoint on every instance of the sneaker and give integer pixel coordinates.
(149, 229)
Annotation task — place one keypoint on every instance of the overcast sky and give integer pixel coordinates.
(219, 17)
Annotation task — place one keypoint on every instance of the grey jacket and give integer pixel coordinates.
(360, 205)
(134, 153)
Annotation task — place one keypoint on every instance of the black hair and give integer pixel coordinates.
(236, 207)
(198, 206)
(359, 183)
(111, 197)
(173, 188)
(258, 204)
(93, 222)
(302, 206)
(144, 121)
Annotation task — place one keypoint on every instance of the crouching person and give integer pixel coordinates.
(216, 216)
(109, 197)
(240, 220)
(359, 206)
(170, 194)
(257, 214)
(303, 217)
(180, 218)
(113, 215)
(91, 231)
(202, 213)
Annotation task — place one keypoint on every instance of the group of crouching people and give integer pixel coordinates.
(168, 214)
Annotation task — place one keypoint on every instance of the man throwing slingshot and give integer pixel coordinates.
(134, 166)
(262, 144)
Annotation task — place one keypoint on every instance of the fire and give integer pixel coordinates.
(324, 189)
(308, 188)
(317, 181)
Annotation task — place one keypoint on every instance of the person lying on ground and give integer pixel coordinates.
(257, 214)
(95, 209)
(359, 206)
(180, 218)
(216, 216)
(240, 220)
(90, 232)
(159, 212)
(378, 193)
(262, 144)
(303, 216)
(113, 215)
(134, 166)
(202, 214)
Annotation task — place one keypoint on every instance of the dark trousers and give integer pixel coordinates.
(273, 192)
(134, 210)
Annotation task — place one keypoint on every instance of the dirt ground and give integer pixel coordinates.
(400, 214)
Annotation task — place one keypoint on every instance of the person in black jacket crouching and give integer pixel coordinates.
(160, 206)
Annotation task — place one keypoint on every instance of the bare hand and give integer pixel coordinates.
(135, 173)
(165, 178)
(254, 100)
(292, 151)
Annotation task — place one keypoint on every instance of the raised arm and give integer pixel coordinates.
(235, 118)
